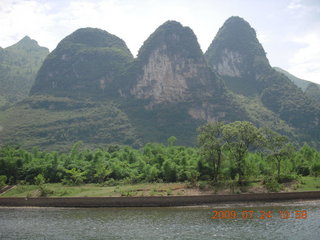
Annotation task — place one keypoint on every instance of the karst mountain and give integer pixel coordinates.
(91, 89)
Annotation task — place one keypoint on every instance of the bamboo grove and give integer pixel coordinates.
(237, 152)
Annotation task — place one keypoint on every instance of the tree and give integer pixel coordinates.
(241, 136)
(171, 141)
(102, 172)
(277, 147)
(3, 180)
(74, 176)
(211, 142)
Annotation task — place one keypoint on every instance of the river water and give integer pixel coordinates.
(164, 223)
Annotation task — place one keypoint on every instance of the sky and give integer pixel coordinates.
(289, 30)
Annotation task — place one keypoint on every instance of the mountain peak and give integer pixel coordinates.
(172, 66)
(236, 36)
(176, 38)
(235, 52)
(27, 42)
(95, 37)
(88, 61)
(26, 38)
(237, 20)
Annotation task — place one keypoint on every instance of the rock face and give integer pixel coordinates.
(19, 65)
(240, 59)
(88, 62)
(172, 67)
(236, 54)
(172, 88)
(91, 89)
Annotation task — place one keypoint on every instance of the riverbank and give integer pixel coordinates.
(153, 189)
(167, 201)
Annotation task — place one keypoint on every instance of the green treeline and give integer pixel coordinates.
(237, 152)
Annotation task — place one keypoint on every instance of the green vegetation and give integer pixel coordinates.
(236, 34)
(309, 183)
(249, 73)
(55, 123)
(102, 190)
(234, 156)
(88, 62)
(19, 65)
(178, 41)
(313, 92)
(303, 84)
(84, 91)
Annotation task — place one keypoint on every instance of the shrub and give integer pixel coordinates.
(111, 182)
(272, 184)
(39, 179)
(303, 170)
(288, 178)
(44, 191)
(3, 180)
(202, 185)
(316, 169)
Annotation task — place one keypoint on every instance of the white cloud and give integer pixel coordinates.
(21, 18)
(306, 61)
(295, 4)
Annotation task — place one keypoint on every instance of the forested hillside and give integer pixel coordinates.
(19, 65)
(91, 89)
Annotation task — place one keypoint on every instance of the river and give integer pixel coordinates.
(289, 220)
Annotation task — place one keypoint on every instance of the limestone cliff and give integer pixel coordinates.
(172, 67)
(173, 89)
(236, 54)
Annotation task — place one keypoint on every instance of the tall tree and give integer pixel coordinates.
(240, 137)
(211, 143)
(277, 146)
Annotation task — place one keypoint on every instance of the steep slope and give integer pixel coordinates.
(19, 65)
(89, 62)
(172, 89)
(313, 92)
(236, 54)
(173, 67)
(240, 59)
(303, 84)
(71, 99)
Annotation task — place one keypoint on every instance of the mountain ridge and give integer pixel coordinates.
(90, 88)
(256, 78)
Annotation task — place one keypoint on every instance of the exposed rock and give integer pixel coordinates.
(230, 64)
(173, 68)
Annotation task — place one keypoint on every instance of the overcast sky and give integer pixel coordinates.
(289, 30)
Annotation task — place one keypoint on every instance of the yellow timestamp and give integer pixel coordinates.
(259, 214)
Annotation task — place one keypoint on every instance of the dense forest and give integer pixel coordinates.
(237, 152)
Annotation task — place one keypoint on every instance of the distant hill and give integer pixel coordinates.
(19, 65)
(303, 84)
(313, 92)
(69, 99)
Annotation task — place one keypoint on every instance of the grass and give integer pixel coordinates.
(96, 190)
(151, 189)
(309, 184)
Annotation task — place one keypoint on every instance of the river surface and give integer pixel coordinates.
(164, 223)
